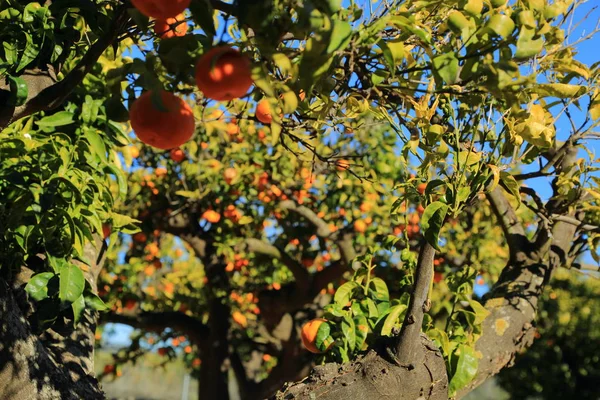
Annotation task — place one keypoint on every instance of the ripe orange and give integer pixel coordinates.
(196, 362)
(135, 152)
(233, 129)
(161, 9)
(360, 226)
(177, 155)
(211, 216)
(263, 112)
(162, 129)
(140, 237)
(437, 277)
(342, 165)
(106, 230)
(160, 171)
(108, 369)
(421, 188)
(187, 349)
(223, 74)
(309, 334)
(163, 351)
(229, 174)
(171, 27)
(240, 319)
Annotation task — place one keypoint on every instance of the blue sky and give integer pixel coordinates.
(588, 53)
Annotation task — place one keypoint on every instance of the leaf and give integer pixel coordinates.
(392, 319)
(95, 302)
(511, 185)
(393, 52)
(495, 177)
(61, 118)
(502, 25)
(96, 143)
(526, 45)
(18, 91)
(32, 49)
(202, 12)
(120, 179)
(323, 339)
(290, 102)
(481, 312)
(37, 287)
(340, 36)
(71, 283)
(432, 221)
(379, 290)
(440, 338)
(344, 293)
(559, 90)
(446, 66)
(349, 332)
(468, 157)
(78, 306)
(466, 368)
(125, 223)
(362, 331)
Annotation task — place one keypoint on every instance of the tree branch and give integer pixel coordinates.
(321, 226)
(159, 321)
(511, 226)
(408, 340)
(45, 93)
(300, 273)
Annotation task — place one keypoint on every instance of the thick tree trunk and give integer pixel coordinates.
(54, 366)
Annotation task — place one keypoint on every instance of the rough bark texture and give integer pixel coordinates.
(55, 365)
(373, 377)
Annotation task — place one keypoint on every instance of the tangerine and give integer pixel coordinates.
(163, 129)
(171, 27)
(211, 216)
(309, 334)
(263, 112)
(360, 226)
(177, 155)
(161, 9)
(223, 74)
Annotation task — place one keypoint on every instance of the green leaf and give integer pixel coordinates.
(344, 293)
(18, 91)
(71, 283)
(95, 302)
(502, 25)
(432, 221)
(202, 12)
(96, 143)
(124, 223)
(120, 179)
(32, 49)
(78, 306)
(446, 66)
(511, 185)
(61, 118)
(323, 339)
(466, 368)
(379, 290)
(526, 45)
(349, 332)
(481, 312)
(341, 34)
(440, 338)
(392, 319)
(560, 90)
(362, 331)
(37, 287)
(393, 52)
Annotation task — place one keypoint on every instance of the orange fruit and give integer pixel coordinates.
(211, 216)
(196, 363)
(160, 171)
(223, 74)
(177, 155)
(437, 277)
(421, 188)
(342, 165)
(187, 349)
(105, 230)
(360, 226)
(240, 319)
(171, 27)
(135, 152)
(266, 357)
(229, 174)
(164, 129)
(420, 209)
(233, 129)
(163, 351)
(140, 237)
(108, 369)
(263, 112)
(309, 334)
(161, 9)
(301, 95)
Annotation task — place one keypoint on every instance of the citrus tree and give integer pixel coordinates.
(251, 184)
